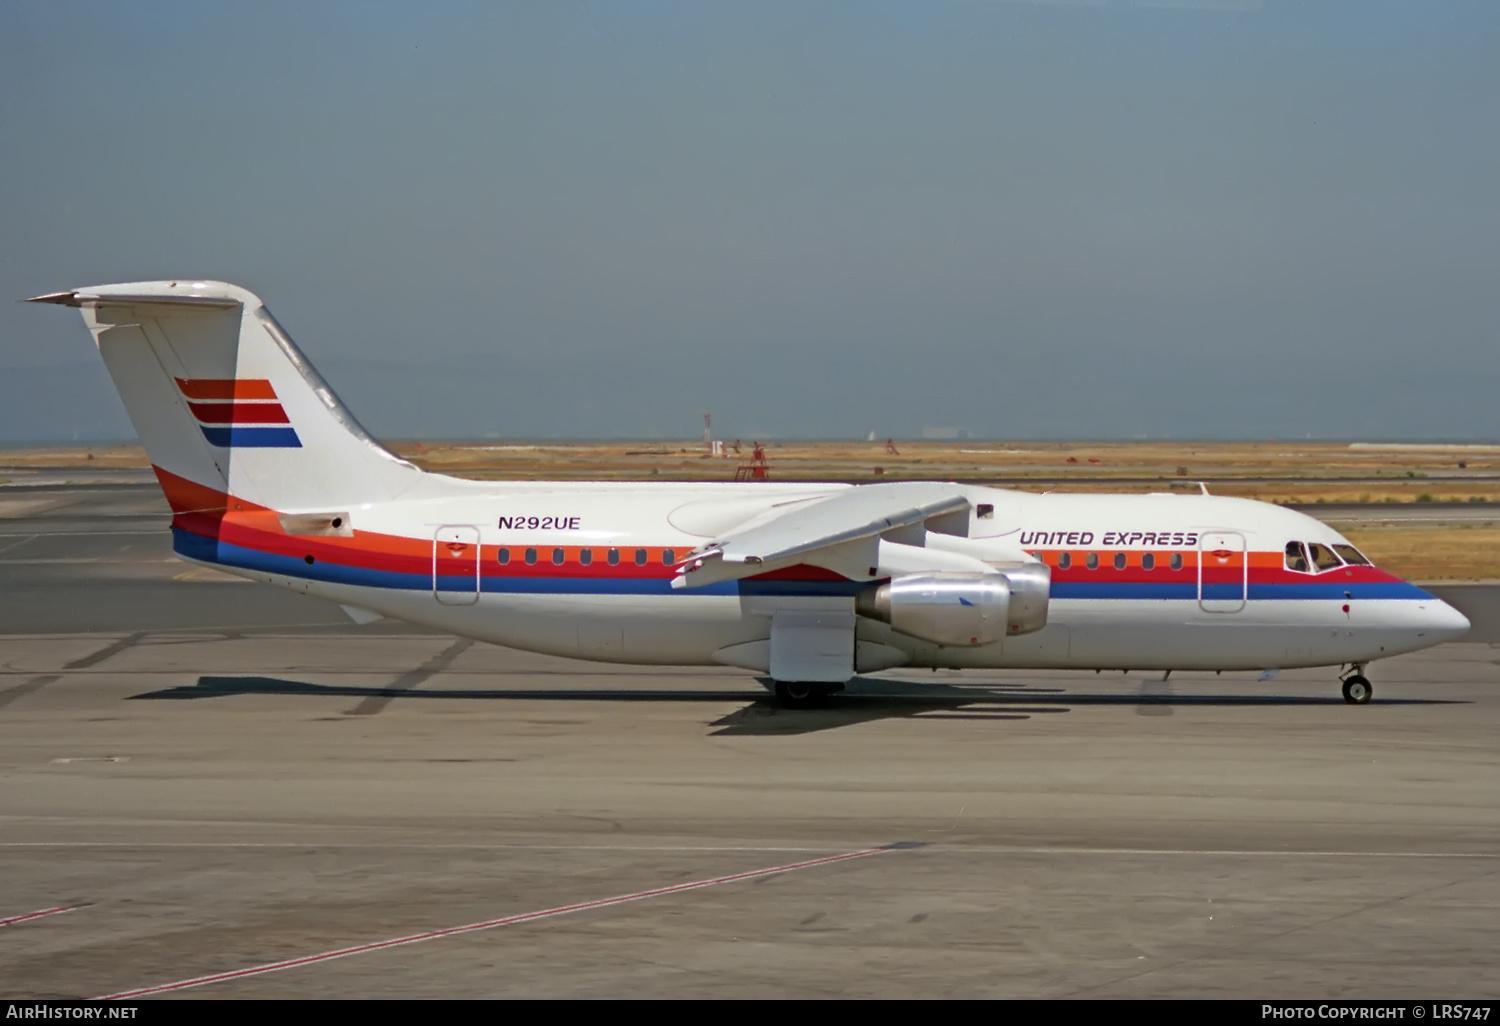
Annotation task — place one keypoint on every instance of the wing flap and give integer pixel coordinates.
(830, 527)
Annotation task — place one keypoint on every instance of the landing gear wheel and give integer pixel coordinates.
(1357, 690)
(799, 694)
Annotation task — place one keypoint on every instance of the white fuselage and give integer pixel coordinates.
(1101, 617)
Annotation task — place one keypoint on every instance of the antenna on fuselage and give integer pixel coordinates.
(1204, 487)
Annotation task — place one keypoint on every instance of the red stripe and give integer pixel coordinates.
(226, 388)
(239, 413)
(800, 572)
(37, 915)
(488, 924)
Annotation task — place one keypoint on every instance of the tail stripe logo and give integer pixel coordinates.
(227, 388)
(239, 413)
(235, 413)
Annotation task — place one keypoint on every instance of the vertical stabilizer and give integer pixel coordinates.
(226, 404)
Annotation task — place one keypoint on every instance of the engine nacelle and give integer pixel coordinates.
(1030, 591)
(962, 609)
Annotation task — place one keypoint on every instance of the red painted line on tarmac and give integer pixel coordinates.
(490, 924)
(37, 915)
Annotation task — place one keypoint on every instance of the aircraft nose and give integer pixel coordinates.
(1441, 622)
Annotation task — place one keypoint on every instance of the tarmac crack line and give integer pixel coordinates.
(35, 684)
(490, 924)
(129, 641)
(18, 544)
(1287, 933)
(431, 668)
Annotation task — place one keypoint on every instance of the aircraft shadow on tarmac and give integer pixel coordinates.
(866, 699)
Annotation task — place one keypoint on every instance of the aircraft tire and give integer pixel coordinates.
(1357, 690)
(796, 694)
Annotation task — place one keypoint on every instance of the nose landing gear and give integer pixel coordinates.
(1357, 688)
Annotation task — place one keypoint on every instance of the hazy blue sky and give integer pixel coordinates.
(1228, 219)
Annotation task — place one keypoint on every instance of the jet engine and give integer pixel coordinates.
(962, 609)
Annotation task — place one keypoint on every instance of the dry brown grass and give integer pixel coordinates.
(1303, 472)
(1272, 471)
(1432, 553)
(76, 456)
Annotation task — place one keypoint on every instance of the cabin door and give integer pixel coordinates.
(1223, 571)
(455, 565)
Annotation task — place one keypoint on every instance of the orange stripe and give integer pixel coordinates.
(226, 388)
(186, 496)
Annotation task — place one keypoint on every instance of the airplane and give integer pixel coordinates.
(270, 477)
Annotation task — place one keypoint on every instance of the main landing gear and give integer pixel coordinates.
(801, 694)
(1357, 689)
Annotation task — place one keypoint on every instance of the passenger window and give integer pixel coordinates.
(1119, 561)
(586, 556)
(1091, 561)
(1064, 560)
(640, 557)
(614, 557)
(985, 511)
(1296, 559)
(504, 556)
(1351, 555)
(1323, 557)
(1176, 561)
(557, 557)
(530, 557)
(1148, 562)
(668, 556)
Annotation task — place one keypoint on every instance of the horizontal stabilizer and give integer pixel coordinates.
(79, 297)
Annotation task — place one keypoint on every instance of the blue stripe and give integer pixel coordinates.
(252, 437)
(596, 586)
(1231, 592)
(1333, 590)
(1105, 590)
(211, 550)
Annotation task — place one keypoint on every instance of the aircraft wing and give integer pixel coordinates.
(841, 531)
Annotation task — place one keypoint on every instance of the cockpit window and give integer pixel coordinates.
(1296, 558)
(1351, 555)
(1323, 557)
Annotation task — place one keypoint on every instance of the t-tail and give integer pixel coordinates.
(228, 408)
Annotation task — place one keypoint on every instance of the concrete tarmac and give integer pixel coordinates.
(216, 776)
